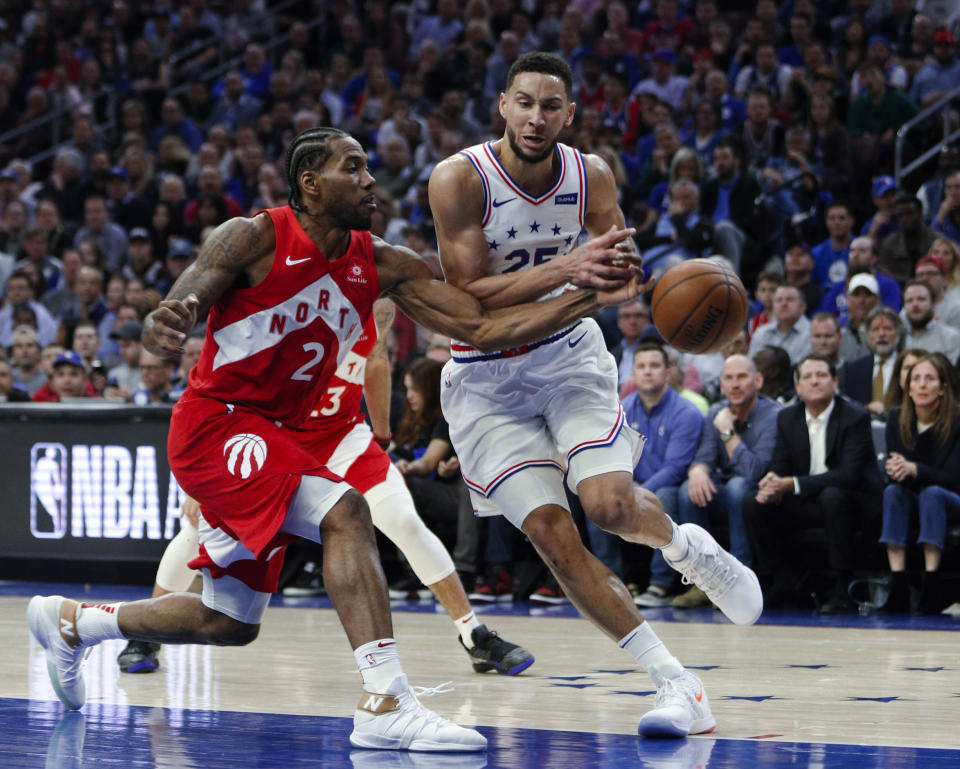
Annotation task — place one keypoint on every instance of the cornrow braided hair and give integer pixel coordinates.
(308, 150)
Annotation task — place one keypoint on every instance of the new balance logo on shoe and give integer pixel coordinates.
(373, 703)
(67, 627)
(378, 704)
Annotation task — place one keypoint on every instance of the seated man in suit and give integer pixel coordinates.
(867, 379)
(823, 473)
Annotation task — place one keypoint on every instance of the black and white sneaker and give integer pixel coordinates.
(307, 582)
(139, 657)
(491, 652)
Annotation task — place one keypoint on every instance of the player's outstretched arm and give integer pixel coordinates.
(236, 247)
(456, 200)
(444, 308)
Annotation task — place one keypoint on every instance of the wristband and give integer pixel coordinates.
(383, 440)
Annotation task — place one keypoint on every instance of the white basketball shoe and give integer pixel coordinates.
(49, 624)
(733, 587)
(681, 707)
(395, 720)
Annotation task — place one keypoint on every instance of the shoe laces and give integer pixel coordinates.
(711, 575)
(672, 691)
(412, 710)
(494, 645)
(72, 658)
(429, 691)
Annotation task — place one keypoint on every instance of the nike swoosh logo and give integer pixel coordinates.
(700, 695)
(467, 619)
(575, 342)
(381, 644)
(291, 262)
(498, 203)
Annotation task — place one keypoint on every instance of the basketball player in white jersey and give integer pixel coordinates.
(508, 214)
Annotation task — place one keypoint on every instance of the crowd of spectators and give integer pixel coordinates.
(763, 134)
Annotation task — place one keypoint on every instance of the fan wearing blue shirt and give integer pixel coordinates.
(831, 256)
(862, 256)
(672, 425)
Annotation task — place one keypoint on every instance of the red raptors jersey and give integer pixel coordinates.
(274, 347)
(339, 409)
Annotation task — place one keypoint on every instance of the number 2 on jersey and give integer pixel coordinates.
(301, 374)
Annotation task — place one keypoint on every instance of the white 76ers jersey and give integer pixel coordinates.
(523, 231)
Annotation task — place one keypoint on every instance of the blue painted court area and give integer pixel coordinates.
(44, 734)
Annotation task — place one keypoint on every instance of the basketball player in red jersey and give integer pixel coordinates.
(338, 437)
(288, 292)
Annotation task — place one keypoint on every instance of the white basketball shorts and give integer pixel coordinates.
(520, 419)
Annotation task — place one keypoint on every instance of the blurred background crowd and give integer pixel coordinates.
(809, 143)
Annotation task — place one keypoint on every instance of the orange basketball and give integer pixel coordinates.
(699, 305)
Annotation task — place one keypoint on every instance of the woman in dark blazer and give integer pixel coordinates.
(923, 465)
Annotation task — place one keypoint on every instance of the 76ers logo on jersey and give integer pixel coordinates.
(246, 453)
(355, 274)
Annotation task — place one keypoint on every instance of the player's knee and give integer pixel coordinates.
(222, 630)
(553, 534)
(615, 512)
(351, 513)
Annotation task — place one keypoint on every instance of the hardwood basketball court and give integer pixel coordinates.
(794, 690)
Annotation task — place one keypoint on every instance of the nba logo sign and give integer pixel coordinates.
(48, 490)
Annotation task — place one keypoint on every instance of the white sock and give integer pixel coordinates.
(98, 622)
(642, 644)
(378, 663)
(465, 626)
(676, 549)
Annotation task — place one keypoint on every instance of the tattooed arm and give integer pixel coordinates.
(376, 380)
(439, 306)
(237, 247)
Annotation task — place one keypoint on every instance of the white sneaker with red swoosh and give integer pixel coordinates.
(681, 708)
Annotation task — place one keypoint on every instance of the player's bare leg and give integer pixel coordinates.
(352, 574)
(173, 576)
(595, 590)
(633, 513)
(388, 715)
(601, 596)
(612, 502)
(681, 706)
(451, 595)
